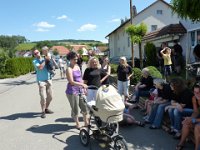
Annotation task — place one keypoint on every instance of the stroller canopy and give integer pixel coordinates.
(109, 103)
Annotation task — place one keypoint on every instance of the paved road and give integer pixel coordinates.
(21, 127)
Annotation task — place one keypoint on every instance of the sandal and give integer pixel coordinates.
(179, 147)
(141, 124)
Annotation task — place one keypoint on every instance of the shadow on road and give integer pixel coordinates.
(50, 128)
(64, 120)
(21, 115)
(20, 82)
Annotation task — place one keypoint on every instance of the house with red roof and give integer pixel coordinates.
(78, 48)
(62, 51)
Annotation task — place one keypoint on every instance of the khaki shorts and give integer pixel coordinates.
(45, 91)
(77, 102)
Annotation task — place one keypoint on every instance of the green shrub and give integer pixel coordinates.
(136, 76)
(3, 59)
(85, 58)
(150, 51)
(113, 68)
(154, 72)
(18, 66)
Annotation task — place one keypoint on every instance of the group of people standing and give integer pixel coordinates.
(170, 59)
(173, 97)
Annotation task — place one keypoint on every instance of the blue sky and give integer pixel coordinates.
(64, 19)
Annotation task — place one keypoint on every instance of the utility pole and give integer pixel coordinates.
(131, 20)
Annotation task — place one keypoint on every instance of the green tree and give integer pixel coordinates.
(41, 44)
(187, 8)
(55, 52)
(136, 34)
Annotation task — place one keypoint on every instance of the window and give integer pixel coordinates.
(159, 12)
(153, 27)
(193, 38)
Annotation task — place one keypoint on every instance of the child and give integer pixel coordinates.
(48, 60)
(148, 103)
(166, 54)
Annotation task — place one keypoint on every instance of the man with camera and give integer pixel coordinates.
(44, 83)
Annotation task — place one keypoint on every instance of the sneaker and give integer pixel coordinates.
(146, 121)
(48, 111)
(43, 115)
(153, 127)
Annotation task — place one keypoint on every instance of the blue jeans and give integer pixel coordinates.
(157, 112)
(176, 117)
(139, 93)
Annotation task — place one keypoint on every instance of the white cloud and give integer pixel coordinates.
(62, 17)
(44, 24)
(42, 30)
(87, 27)
(115, 20)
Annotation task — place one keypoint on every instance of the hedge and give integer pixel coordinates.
(18, 66)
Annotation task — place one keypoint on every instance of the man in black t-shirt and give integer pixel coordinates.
(177, 56)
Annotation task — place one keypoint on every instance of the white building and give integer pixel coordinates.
(162, 26)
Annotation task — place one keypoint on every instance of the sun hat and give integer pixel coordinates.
(45, 48)
(123, 58)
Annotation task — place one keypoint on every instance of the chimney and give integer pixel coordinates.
(122, 21)
(134, 11)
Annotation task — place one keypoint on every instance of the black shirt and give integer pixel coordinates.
(123, 72)
(93, 76)
(178, 49)
(148, 82)
(166, 92)
(185, 97)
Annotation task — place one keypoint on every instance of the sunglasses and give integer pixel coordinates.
(36, 53)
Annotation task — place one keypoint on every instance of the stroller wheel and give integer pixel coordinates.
(120, 144)
(84, 137)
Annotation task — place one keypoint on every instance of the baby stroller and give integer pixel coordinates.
(105, 113)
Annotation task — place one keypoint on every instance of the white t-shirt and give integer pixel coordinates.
(60, 63)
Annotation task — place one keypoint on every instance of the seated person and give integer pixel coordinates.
(181, 105)
(192, 122)
(149, 102)
(162, 100)
(142, 88)
(128, 119)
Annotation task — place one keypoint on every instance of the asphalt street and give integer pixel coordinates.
(21, 127)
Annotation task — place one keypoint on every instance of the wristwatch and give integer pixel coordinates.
(194, 120)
